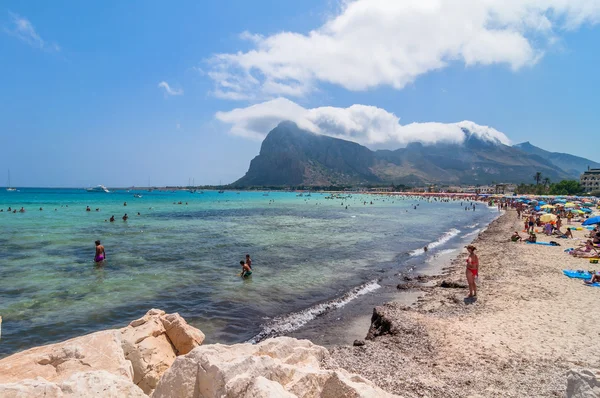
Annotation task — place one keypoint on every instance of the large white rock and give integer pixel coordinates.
(79, 385)
(184, 337)
(281, 367)
(57, 362)
(147, 347)
(583, 383)
(140, 352)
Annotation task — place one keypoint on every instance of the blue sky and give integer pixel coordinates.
(83, 104)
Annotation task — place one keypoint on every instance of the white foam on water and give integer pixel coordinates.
(473, 226)
(443, 239)
(294, 321)
(473, 233)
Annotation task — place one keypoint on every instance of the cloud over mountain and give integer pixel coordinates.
(367, 125)
(372, 43)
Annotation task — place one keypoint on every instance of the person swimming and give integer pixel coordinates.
(246, 270)
(125, 217)
(112, 218)
(100, 253)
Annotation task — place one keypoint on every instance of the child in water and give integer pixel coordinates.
(246, 270)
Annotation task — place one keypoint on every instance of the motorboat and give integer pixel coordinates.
(99, 188)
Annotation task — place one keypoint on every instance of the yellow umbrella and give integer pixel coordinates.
(576, 211)
(570, 204)
(548, 217)
(547, 207)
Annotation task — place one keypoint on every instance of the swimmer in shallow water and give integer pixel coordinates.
(246, 270)
(100, 253)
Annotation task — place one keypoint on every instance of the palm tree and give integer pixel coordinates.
(537, 177)
(546, 182)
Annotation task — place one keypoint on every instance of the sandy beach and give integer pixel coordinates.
(528, 326)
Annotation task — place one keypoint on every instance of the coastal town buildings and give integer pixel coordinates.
(590, 180)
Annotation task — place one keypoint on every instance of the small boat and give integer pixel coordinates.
(221, 191)
(8, 187)
(137, 195)
(99, 188)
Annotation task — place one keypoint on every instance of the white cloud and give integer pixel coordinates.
(169, 90)
(23, 29)
(367, 125)
(371, 43)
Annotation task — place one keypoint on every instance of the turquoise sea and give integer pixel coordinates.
(310, 255)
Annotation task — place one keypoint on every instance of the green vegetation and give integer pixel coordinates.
(565, 187)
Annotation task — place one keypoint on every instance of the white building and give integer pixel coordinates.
(590, 180)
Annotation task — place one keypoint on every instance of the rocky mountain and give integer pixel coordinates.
(292, 156)
(574, 165)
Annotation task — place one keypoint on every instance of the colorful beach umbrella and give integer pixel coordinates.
(570, 204)
(592, 221)
(548, 217)
(548, 207)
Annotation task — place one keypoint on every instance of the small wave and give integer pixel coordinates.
(443, 239)
(288, 323)
(472, 233)
(473, 226)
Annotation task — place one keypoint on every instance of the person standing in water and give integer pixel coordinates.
(249, 261)
(100, 253)
(472, 271)
(246, 270)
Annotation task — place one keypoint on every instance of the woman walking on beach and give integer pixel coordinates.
(472, 270)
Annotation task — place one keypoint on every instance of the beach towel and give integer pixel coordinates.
(541, 243)
(576, 274)
(593, 284)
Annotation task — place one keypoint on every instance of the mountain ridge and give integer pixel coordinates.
(290, 156)
(572, 164)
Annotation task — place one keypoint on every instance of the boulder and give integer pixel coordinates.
(183, 336)
(147, 347)
(140, 352)
(57, 362)
(280, 367)
(583, 383)
(381, 324)
(82, 384)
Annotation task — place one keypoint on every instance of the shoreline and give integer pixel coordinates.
(527, 328)
(344, 325)
(332, 324)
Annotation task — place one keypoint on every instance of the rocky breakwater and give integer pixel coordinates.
(282, 367)
(161, 355)
(125, 362)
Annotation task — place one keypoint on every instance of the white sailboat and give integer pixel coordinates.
(8, 187)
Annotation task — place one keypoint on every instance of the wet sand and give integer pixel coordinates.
(527, 327)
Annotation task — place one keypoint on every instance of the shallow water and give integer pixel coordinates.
(185, 258)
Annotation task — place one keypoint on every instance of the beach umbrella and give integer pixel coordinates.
(570, 204)
(588, 204)
(548, 217)
(541, 203)
(586, 210)
(548, 207)
(537, 208)
(576, 211)
(592, 221)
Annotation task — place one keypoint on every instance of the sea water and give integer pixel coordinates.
(310, 255)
